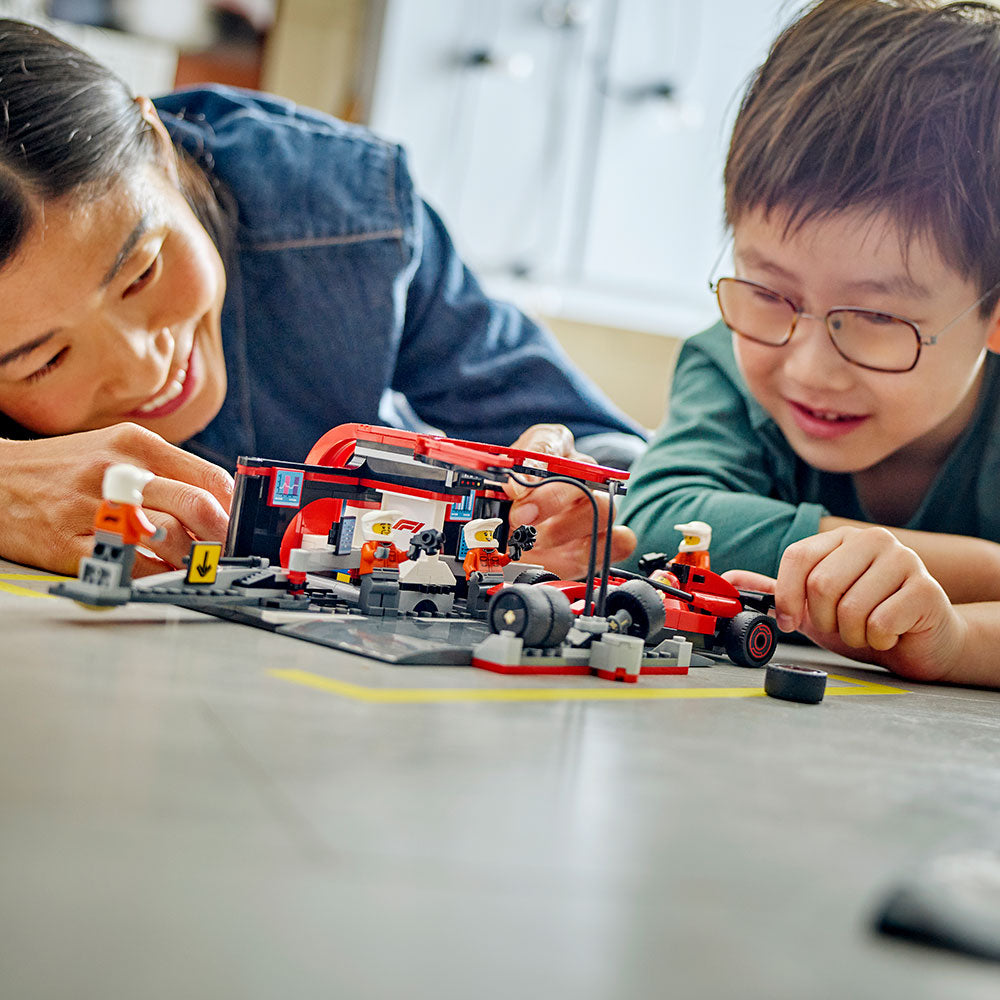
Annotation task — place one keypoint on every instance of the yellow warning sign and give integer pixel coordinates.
(203, 564)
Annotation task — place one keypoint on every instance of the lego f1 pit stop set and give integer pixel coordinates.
(396, 545)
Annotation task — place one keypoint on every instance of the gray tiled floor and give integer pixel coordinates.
(179, 820)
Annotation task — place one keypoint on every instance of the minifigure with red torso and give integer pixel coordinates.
(693, 552)
(378, 552)
(483, 556)
(483, 563)
(379, 567)
(125, 520)
(119, 526)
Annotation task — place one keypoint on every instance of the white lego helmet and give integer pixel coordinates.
(373, 517)
(697, 536)
(482, 524)
(124, 483)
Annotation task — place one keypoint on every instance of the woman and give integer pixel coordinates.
(219, 273)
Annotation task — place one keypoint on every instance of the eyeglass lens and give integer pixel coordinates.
(870, 339)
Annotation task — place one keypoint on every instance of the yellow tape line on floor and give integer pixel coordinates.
(613, 692)
(9, 587)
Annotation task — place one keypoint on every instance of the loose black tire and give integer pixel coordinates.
(750, 639)
(540, 615)
(643, 605)
(790, 683)
(535, 575)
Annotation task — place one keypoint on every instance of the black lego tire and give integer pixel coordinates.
(562, 616)
(750, 639)
(540, 615)
(643, 605)
(522, 609)
(535, 576)
(791, 683)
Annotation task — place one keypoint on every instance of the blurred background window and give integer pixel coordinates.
(221, 42)
(574, 147)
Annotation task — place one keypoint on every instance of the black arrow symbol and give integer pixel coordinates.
(206, 567)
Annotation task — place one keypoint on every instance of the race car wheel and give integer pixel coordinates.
(750, 639)
(790, 683)
(540, 615)
(535, 575)
(562, 616)
(643, 605)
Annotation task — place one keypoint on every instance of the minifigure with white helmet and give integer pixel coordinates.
(379, 568)
(483, 562)
(693, 550)
(120, 525)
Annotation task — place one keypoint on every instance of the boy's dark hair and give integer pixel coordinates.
(880, 105)
(70, 125)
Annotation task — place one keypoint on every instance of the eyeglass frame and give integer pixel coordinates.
(798, 313)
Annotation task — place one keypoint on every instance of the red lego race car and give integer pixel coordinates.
(710, 612)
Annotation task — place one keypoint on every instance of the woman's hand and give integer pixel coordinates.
(862, 593)
(561, 512)
(50, 490)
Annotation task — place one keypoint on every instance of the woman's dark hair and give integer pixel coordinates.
(68, 124)
(880, 105)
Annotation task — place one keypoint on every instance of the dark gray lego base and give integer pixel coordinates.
(323, 615)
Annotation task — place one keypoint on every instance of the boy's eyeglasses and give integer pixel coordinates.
(878, 341)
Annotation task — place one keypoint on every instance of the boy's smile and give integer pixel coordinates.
(837, 416)
(825, 424)
(112, 313)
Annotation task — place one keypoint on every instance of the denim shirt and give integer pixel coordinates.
(345, 294)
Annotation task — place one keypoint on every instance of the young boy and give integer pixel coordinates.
(843, 434)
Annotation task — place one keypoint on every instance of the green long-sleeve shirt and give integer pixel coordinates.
(720, 458)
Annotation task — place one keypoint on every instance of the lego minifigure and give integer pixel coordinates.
(120, 525)
(693, 550)
(380, 559)
(483, 562)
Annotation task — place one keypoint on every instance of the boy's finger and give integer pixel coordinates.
(847, 584)
(797, 561)
(916, 606)
(865, 598)
(744, 579)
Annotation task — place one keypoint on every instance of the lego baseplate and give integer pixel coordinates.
(403, 639)
(325, 615)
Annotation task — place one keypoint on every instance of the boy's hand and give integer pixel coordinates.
(562, 513)
(968, 568)
(50, 490)
(860, 592)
